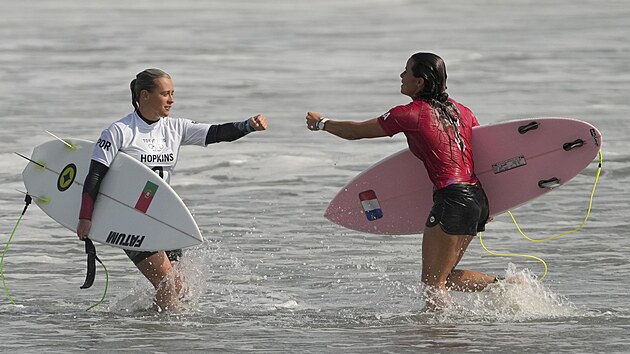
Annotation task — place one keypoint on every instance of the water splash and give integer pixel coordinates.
(191, 271)
(520, 297)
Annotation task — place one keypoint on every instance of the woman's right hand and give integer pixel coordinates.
(83, 229)
(258, 122)
(312, 118)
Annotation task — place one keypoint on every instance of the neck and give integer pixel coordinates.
(144, 117)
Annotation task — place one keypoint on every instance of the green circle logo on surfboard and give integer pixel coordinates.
(66, 177)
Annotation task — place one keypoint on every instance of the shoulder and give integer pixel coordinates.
(413, 110)
(124, 122)
(120, 128)
(466, 114)
(404, 117)
(178, 123)
(412, 106)
(401, 110)
(462, 108)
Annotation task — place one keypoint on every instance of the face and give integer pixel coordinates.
(158, 103)
(410, 84)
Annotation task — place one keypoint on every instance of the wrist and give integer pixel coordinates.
(248, 127)
(321, 123)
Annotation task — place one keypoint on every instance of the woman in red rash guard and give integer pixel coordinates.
(438, 131)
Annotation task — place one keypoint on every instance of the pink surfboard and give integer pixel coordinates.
(516, 162)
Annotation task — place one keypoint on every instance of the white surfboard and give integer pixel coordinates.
(135, 209)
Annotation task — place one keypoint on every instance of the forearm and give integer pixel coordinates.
(228, 132)
(236, 130)
(90, 188)
(345, 129)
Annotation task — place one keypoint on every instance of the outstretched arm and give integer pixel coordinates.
(345, 129)
(232, 131)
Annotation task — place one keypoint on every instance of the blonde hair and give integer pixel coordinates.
(145, 80)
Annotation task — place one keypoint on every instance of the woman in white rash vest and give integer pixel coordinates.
(151, 136)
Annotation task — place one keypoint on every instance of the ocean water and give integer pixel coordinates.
(273, 274)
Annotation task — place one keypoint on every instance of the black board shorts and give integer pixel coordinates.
(459, 209)
(138, 256)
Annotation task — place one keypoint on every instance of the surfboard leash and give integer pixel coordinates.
(515, 255)
(588, 213)
(90, 250)
(27, 201)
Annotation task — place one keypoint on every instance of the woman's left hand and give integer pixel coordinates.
(258, 122)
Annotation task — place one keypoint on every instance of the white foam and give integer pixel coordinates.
(520, 297)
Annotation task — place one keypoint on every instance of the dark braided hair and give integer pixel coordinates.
(432, 69)
(145, 80)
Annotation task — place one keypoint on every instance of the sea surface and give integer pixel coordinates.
(274, 275)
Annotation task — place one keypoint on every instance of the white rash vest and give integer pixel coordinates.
(155, 145)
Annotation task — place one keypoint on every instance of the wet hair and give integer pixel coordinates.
(145, 80)
(432, 69)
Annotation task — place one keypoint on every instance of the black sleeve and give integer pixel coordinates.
(227, 132)
(93, 179)
(90, 189)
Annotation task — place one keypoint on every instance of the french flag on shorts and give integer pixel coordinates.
(370, 205)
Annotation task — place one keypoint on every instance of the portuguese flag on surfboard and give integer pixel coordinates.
(146, 197)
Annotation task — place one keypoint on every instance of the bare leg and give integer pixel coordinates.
(441, 253)
(467, 280)
(179, 281)
(158, 270)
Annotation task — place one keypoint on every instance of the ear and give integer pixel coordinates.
(420, 83)
(144, 94)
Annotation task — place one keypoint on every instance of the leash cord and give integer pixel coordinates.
(27, 201)
(515, 255)
(588, 213)
(106, 285)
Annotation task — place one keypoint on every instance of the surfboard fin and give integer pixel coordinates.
(39, 164)
(573, 144)
(550, 183)
(527, 127)
(38, 199)
(67, 143)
